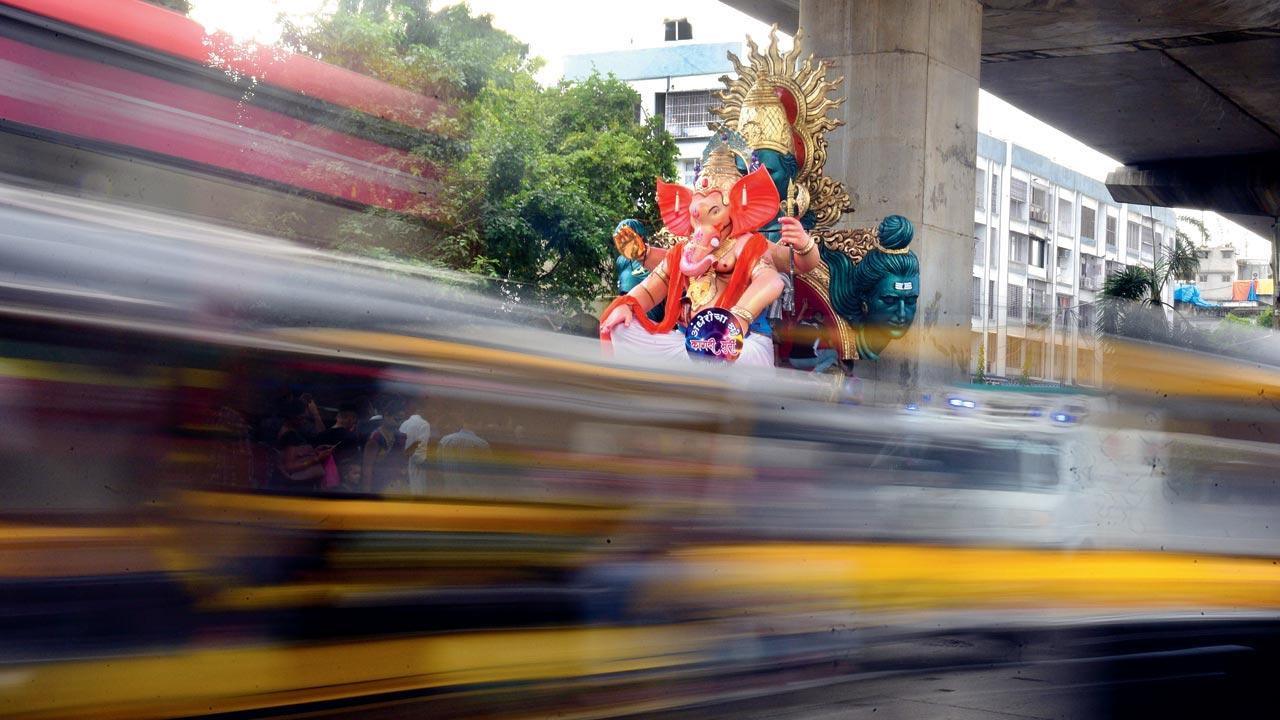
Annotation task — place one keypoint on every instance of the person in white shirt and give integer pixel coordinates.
(463, 455)
(417, 435)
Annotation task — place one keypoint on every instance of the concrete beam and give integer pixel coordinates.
(1239, 185)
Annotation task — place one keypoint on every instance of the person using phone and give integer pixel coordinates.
(299, 463)
(344, 441)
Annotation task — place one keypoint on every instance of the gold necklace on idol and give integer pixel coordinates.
(702, 289)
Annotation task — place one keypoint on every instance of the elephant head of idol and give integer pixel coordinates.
(722, 204)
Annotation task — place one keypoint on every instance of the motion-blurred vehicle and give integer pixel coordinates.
(648, 540)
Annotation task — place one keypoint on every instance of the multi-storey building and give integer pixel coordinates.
(675, 80)
(1221, 267)
(1218, 270)
(1045, 237)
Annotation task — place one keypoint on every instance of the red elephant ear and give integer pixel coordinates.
(753, 201)
(673, 203)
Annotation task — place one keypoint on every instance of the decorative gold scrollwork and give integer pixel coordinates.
(855, 243)
(663, 238)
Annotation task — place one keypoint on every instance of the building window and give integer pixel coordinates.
(1227, 277)
(687, 113)
(993, 248)
(677, 29)
(1014, 302)
(1228, 254)
(1018, 244)
(1018, 199)
(979, 244)
(1064, 311)
(977, 298)
(991, 299)
(1037, 301)
(981, 194)
(1132, 237)
(1090, 273)
(1111, 233)
(1148, 242)
(1037, 252)
(1085, 313)
(688, 172)
(1088, 225)
(1039, 212)
(1066, 217)
(1203, 277)
(995, 193)
(1202, 254)
(1064, 268)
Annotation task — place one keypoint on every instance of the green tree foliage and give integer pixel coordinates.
(550, 173)
(1233, 330)
(1266, 318)
(181, 6)
(449, 53)
(538, 176)
(1132, 302)
(1198, 224)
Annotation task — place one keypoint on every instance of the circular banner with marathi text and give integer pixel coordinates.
(713, 334)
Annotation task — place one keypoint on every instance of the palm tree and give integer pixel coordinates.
(1132, 302)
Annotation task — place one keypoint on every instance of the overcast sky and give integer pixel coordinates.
(556, 28)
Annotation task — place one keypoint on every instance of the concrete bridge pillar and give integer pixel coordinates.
(908, 147)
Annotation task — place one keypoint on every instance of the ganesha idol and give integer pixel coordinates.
(863, 283)
(720, 272)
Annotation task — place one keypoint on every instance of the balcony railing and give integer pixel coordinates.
(686, 130)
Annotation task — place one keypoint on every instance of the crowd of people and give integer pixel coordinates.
(386, 445)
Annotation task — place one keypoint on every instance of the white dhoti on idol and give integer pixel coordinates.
(636, 343)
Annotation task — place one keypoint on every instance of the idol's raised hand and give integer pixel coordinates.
(794, 235)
